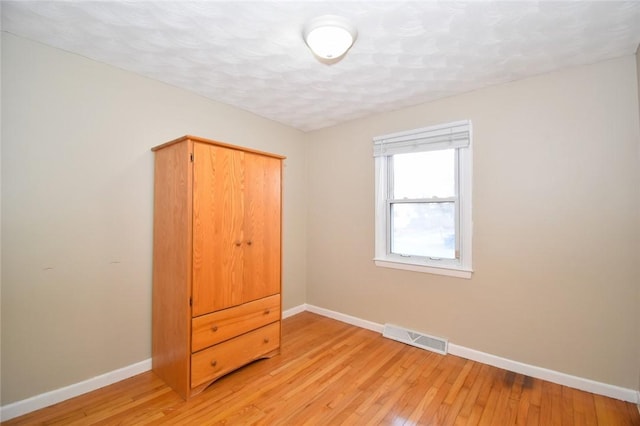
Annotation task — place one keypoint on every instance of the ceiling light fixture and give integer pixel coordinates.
(329, 36)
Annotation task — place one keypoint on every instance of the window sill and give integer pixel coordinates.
(448, 271)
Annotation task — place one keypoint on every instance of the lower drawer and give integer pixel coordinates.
(216, 361)
(216, 327)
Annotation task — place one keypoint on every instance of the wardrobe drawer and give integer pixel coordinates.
(219, 326)
(224, 357)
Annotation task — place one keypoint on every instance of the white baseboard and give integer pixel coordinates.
(624, 394)
(293, 311)
(553, 376)
(37, 402)
(46, 399)
(369, 325)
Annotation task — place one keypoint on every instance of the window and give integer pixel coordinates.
(423, 199)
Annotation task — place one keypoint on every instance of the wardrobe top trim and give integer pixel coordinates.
(212, 142)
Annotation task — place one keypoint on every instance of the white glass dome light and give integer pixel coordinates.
(329, 36)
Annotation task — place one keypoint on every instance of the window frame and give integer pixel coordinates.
(462, 265)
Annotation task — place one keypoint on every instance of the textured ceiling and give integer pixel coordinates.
(251, 54)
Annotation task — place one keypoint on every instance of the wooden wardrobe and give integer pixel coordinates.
(216, 260)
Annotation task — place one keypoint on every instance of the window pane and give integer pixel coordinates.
(424, 174)
(423, 229)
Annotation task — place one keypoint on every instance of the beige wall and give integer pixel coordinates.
(556, 230)
(77, 186)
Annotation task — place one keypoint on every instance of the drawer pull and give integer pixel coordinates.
(267, 311)
(214, 328)
(214, 363)
(266, 340)
(238, 243)
(249, 242)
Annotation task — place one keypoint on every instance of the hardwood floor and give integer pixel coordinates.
(331, 373)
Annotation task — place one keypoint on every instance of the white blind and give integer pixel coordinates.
(445, 136)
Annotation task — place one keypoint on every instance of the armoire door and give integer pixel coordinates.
(218, 215)
(262, 222)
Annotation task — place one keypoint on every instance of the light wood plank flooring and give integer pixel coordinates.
(331, 373)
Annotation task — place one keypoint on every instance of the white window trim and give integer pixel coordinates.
(382, 258)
